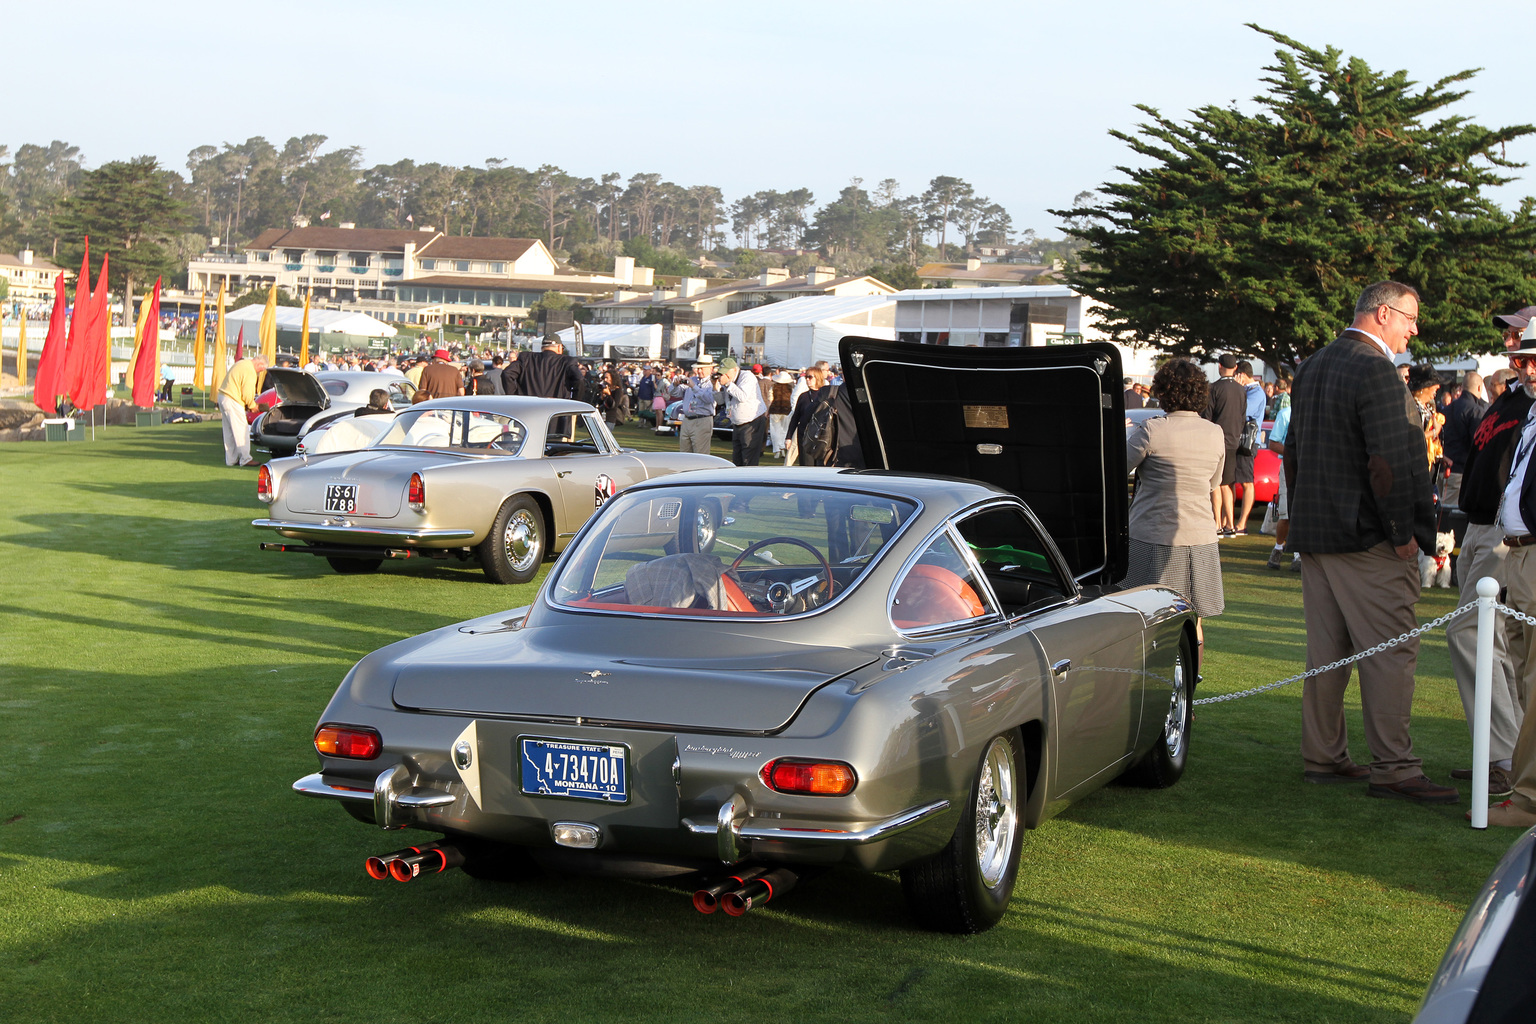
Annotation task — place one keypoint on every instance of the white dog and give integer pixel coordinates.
(1435, 570)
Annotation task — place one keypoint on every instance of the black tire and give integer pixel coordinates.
(354, 566)
(965, 887)
(1162, 766)
(514, 549)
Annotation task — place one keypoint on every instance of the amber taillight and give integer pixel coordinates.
(354, 741)
(816, 778)
(264, 484)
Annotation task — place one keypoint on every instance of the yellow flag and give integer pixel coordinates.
(138, 339)
(304, 333)
(268, 328)
(21, 353)
(219, 369)
(199, 341)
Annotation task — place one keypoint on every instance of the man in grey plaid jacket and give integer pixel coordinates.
(1361, 507)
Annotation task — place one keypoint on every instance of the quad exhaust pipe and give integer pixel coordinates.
(741, 892)
(404, 865)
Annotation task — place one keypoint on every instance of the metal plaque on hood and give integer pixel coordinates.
(990, 417)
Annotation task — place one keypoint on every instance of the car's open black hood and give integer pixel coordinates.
(297, 387)
(1045, 423)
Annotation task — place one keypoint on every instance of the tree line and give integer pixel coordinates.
(236, 190)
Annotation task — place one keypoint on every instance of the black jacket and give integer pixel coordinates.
(1460, 421)
(1486, 470)
(1355, 461)
(543, 374)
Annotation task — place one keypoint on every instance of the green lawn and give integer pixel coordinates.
(160, 678)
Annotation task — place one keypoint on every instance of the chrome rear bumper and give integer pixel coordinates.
(350, 531)
(731, 829)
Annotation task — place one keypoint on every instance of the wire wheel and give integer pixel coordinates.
(997, 813)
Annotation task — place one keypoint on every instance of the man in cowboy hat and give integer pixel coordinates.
(1517, 524)
(697, 412)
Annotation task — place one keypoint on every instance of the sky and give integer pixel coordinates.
(1016, 98)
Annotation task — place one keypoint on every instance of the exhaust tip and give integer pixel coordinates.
(400, 871)
(704, 902)
(377, 867)
(735, 904)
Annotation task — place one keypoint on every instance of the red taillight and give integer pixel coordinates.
(818, 778)
(416, 493)
(352, 741)
(264, 483)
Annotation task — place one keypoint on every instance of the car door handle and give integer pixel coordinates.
(1061, 667)
(562, 474)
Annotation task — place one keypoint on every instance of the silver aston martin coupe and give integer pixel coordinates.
(756, 673)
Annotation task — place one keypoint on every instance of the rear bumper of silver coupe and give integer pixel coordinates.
(731, 828)
(350, 531)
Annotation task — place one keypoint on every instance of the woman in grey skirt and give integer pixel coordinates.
(1173, 518)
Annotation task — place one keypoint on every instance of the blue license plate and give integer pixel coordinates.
(584, 771)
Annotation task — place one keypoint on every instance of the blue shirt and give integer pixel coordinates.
(1282, 424)
(1256, 402)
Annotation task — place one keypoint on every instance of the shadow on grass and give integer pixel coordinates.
(324, 947)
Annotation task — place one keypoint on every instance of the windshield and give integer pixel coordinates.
(454, 428)
(724, 549)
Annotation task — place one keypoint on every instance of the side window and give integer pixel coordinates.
(570, 434)
(937, 589)
(1013, 558)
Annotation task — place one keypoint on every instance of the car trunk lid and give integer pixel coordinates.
(297, 386)
(381, 477)
(727, 682)
(1045, 423)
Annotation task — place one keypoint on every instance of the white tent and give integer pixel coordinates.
(321, 321)
(615, 341)
(798, 332)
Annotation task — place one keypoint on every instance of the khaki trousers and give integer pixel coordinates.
(1353, 601)
(237, 432)
(1520, 571)
(695, 435)
(1483, 554)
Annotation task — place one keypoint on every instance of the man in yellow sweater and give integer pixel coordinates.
(236, 395)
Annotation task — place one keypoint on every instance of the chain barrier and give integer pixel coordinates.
(1432, 624)
(1514, 614)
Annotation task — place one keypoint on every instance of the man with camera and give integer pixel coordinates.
(746, 409)
(696, 416)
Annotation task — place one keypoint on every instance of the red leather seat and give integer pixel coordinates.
(932, 594)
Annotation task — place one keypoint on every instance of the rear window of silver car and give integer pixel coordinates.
(742, 550)
(464, 429)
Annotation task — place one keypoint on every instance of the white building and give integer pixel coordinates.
(421, 277)
(1001, 317)
(321, 321)
(798, 332)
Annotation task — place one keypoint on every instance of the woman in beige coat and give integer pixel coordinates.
(1173, 526)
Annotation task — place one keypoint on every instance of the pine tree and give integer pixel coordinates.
(1256, 232)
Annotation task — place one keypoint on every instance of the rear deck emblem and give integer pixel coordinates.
(595, 676)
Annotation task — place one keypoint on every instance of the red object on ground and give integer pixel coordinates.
(144, 383)
(45, 386)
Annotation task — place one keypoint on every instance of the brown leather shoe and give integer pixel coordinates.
(1499, 782)
(1344, 773)
(1418, 789)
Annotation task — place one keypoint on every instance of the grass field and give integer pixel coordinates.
(160, 678)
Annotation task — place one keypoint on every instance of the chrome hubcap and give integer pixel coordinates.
(996, 813)
(1173, 728)
(522, 540)
(706, 531)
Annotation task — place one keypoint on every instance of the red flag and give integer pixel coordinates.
(240, 344)
(74, 346)
(91, 388)
(144, 383)
(45, 387)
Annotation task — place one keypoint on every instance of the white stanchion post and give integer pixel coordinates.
(1482, 699)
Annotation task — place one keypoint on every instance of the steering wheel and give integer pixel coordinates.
(756, 545)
